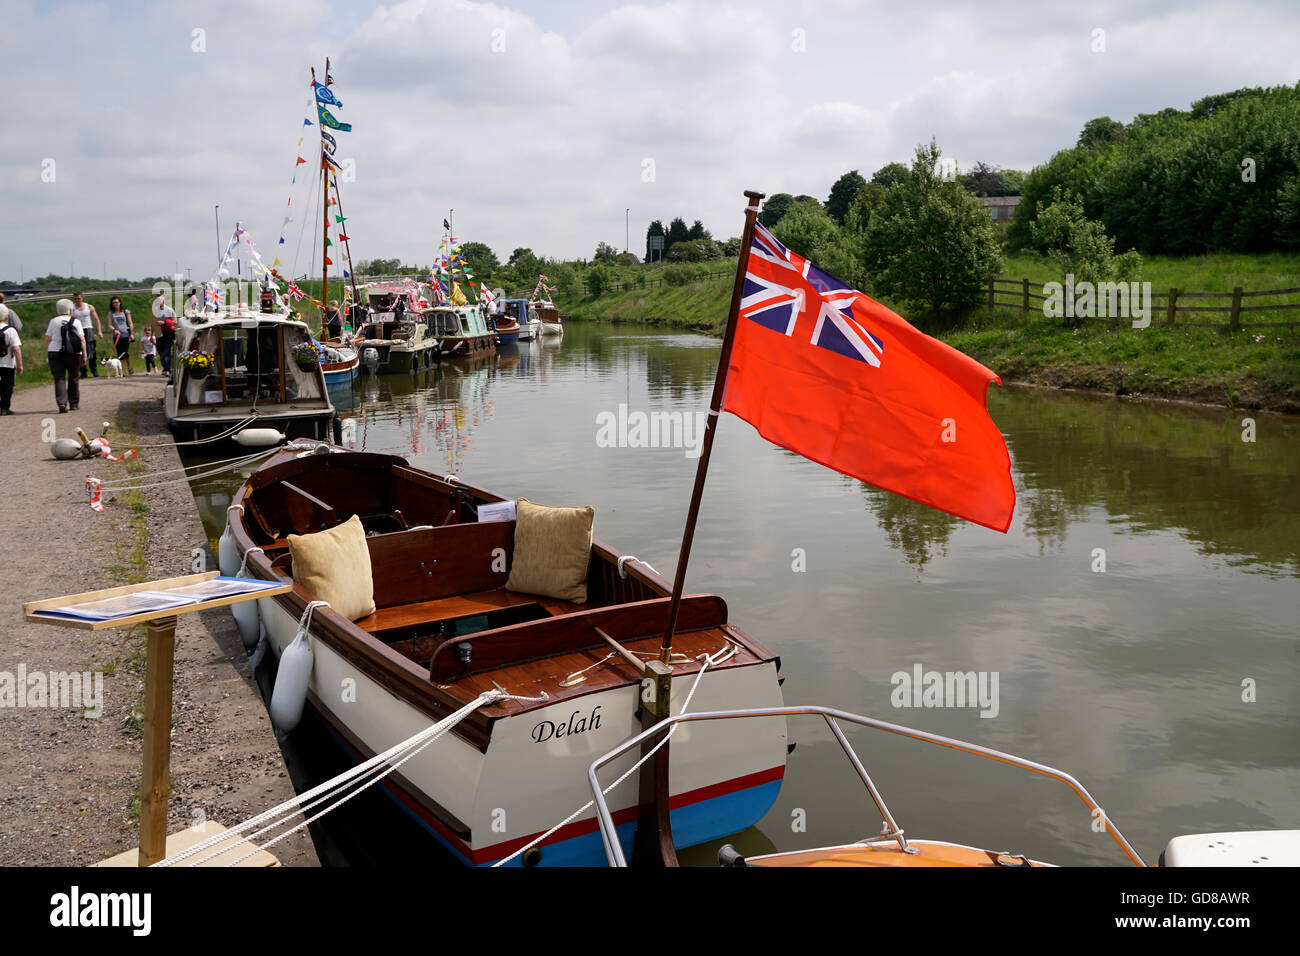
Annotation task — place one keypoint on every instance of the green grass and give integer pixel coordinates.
(1253, 368)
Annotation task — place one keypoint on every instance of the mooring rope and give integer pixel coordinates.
(202, 441)
(280, 815)
(137, 482)
(706, 660)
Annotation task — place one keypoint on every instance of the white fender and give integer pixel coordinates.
(246, 619)
(259, 437)
(263, 642)
(65, 449)
(227, 553)
(290, 693)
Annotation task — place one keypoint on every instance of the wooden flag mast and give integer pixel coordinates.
(654, 835)
(325, 210)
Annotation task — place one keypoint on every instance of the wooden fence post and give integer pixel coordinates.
(1234, 320)
(990, 295)
(1173, 307)
(1025, 290)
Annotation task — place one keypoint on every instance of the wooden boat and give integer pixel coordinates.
(252, 379)
(506, 328)
(446, 630)
(524, 316)
(340, 364)
(549, 317)
(461, 331)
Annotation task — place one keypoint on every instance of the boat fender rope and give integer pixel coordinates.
(622, 572)
(243, 565)
(449, 479)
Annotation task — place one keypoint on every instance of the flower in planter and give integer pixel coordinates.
(198, 362)
(306, 355)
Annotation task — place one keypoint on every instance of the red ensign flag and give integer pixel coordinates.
(823, 370)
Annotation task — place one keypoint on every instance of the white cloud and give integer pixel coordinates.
(543, 143)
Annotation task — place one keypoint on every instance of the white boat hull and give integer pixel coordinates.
(533, 773)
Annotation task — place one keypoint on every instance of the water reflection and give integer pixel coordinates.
(1130, 678)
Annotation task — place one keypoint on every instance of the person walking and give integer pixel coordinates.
(166, 332)
(10, 314)
(148, 349)
(11, 359)
(66, 355)
(91, 331)
(119, 320)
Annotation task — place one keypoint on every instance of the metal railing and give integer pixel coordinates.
(609, 834)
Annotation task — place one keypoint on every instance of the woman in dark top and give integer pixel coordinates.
(119, 320)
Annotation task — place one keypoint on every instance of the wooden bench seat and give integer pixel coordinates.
(456, 607)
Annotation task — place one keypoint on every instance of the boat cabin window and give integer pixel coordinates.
(251, 365)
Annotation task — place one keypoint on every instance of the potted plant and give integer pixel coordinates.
(306, 355)
(198, 362)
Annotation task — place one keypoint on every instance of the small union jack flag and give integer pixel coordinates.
(296, 292)
(214, 295)
(788, 294)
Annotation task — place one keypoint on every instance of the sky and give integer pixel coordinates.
(548, 125)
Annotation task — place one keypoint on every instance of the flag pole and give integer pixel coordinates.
(711, 426)
(653, 843)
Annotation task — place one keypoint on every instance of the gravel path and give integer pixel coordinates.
(68, 782)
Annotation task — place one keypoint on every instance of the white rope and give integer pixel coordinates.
(367, 784)
(243, 565)
(336, 783)
(706, 660)
(130, 484)
(622, 573)
(201, 441)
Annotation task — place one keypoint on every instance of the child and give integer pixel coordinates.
(148, 348)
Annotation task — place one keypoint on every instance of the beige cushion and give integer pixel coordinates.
(334, 566)
(552, 551)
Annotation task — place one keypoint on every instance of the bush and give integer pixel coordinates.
(599, 280)
(1078, 245)
(695, 250)
(679, 275)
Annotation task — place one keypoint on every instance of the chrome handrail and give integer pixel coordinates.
(609, 834)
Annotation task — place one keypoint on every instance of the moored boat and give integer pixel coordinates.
(445, 629)
(236, 379)
(340, 364)
(399, 332)
(548, 316)
(461, 331)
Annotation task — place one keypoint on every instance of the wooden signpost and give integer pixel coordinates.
(161, 646)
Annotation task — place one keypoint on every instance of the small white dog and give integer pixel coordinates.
(115, 367)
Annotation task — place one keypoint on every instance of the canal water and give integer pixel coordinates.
(1140, 616)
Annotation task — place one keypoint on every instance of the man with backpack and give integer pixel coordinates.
(65, 347)
(11, 360)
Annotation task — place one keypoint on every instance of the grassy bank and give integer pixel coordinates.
(1252, 368)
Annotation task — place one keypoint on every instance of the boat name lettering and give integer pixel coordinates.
(550, 730)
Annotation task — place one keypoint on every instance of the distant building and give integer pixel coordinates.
(1001, 208)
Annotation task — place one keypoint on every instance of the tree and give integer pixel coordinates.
(699, 232)
(843, 193)
(1078, 245)
(695, 250)
(482, 260)
(526, 266)
(379, 267)
(931, 243)
(810, 231)
(889, 175)
(1100, 132)
(776, 206)
(598, 280)
(605, 254)
(863, 207)
(731, 248)
(656, 229)
(677, 232)
(985, 179)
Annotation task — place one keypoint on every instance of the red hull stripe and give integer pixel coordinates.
(583, 827)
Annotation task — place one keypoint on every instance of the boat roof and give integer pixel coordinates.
(240, 316)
